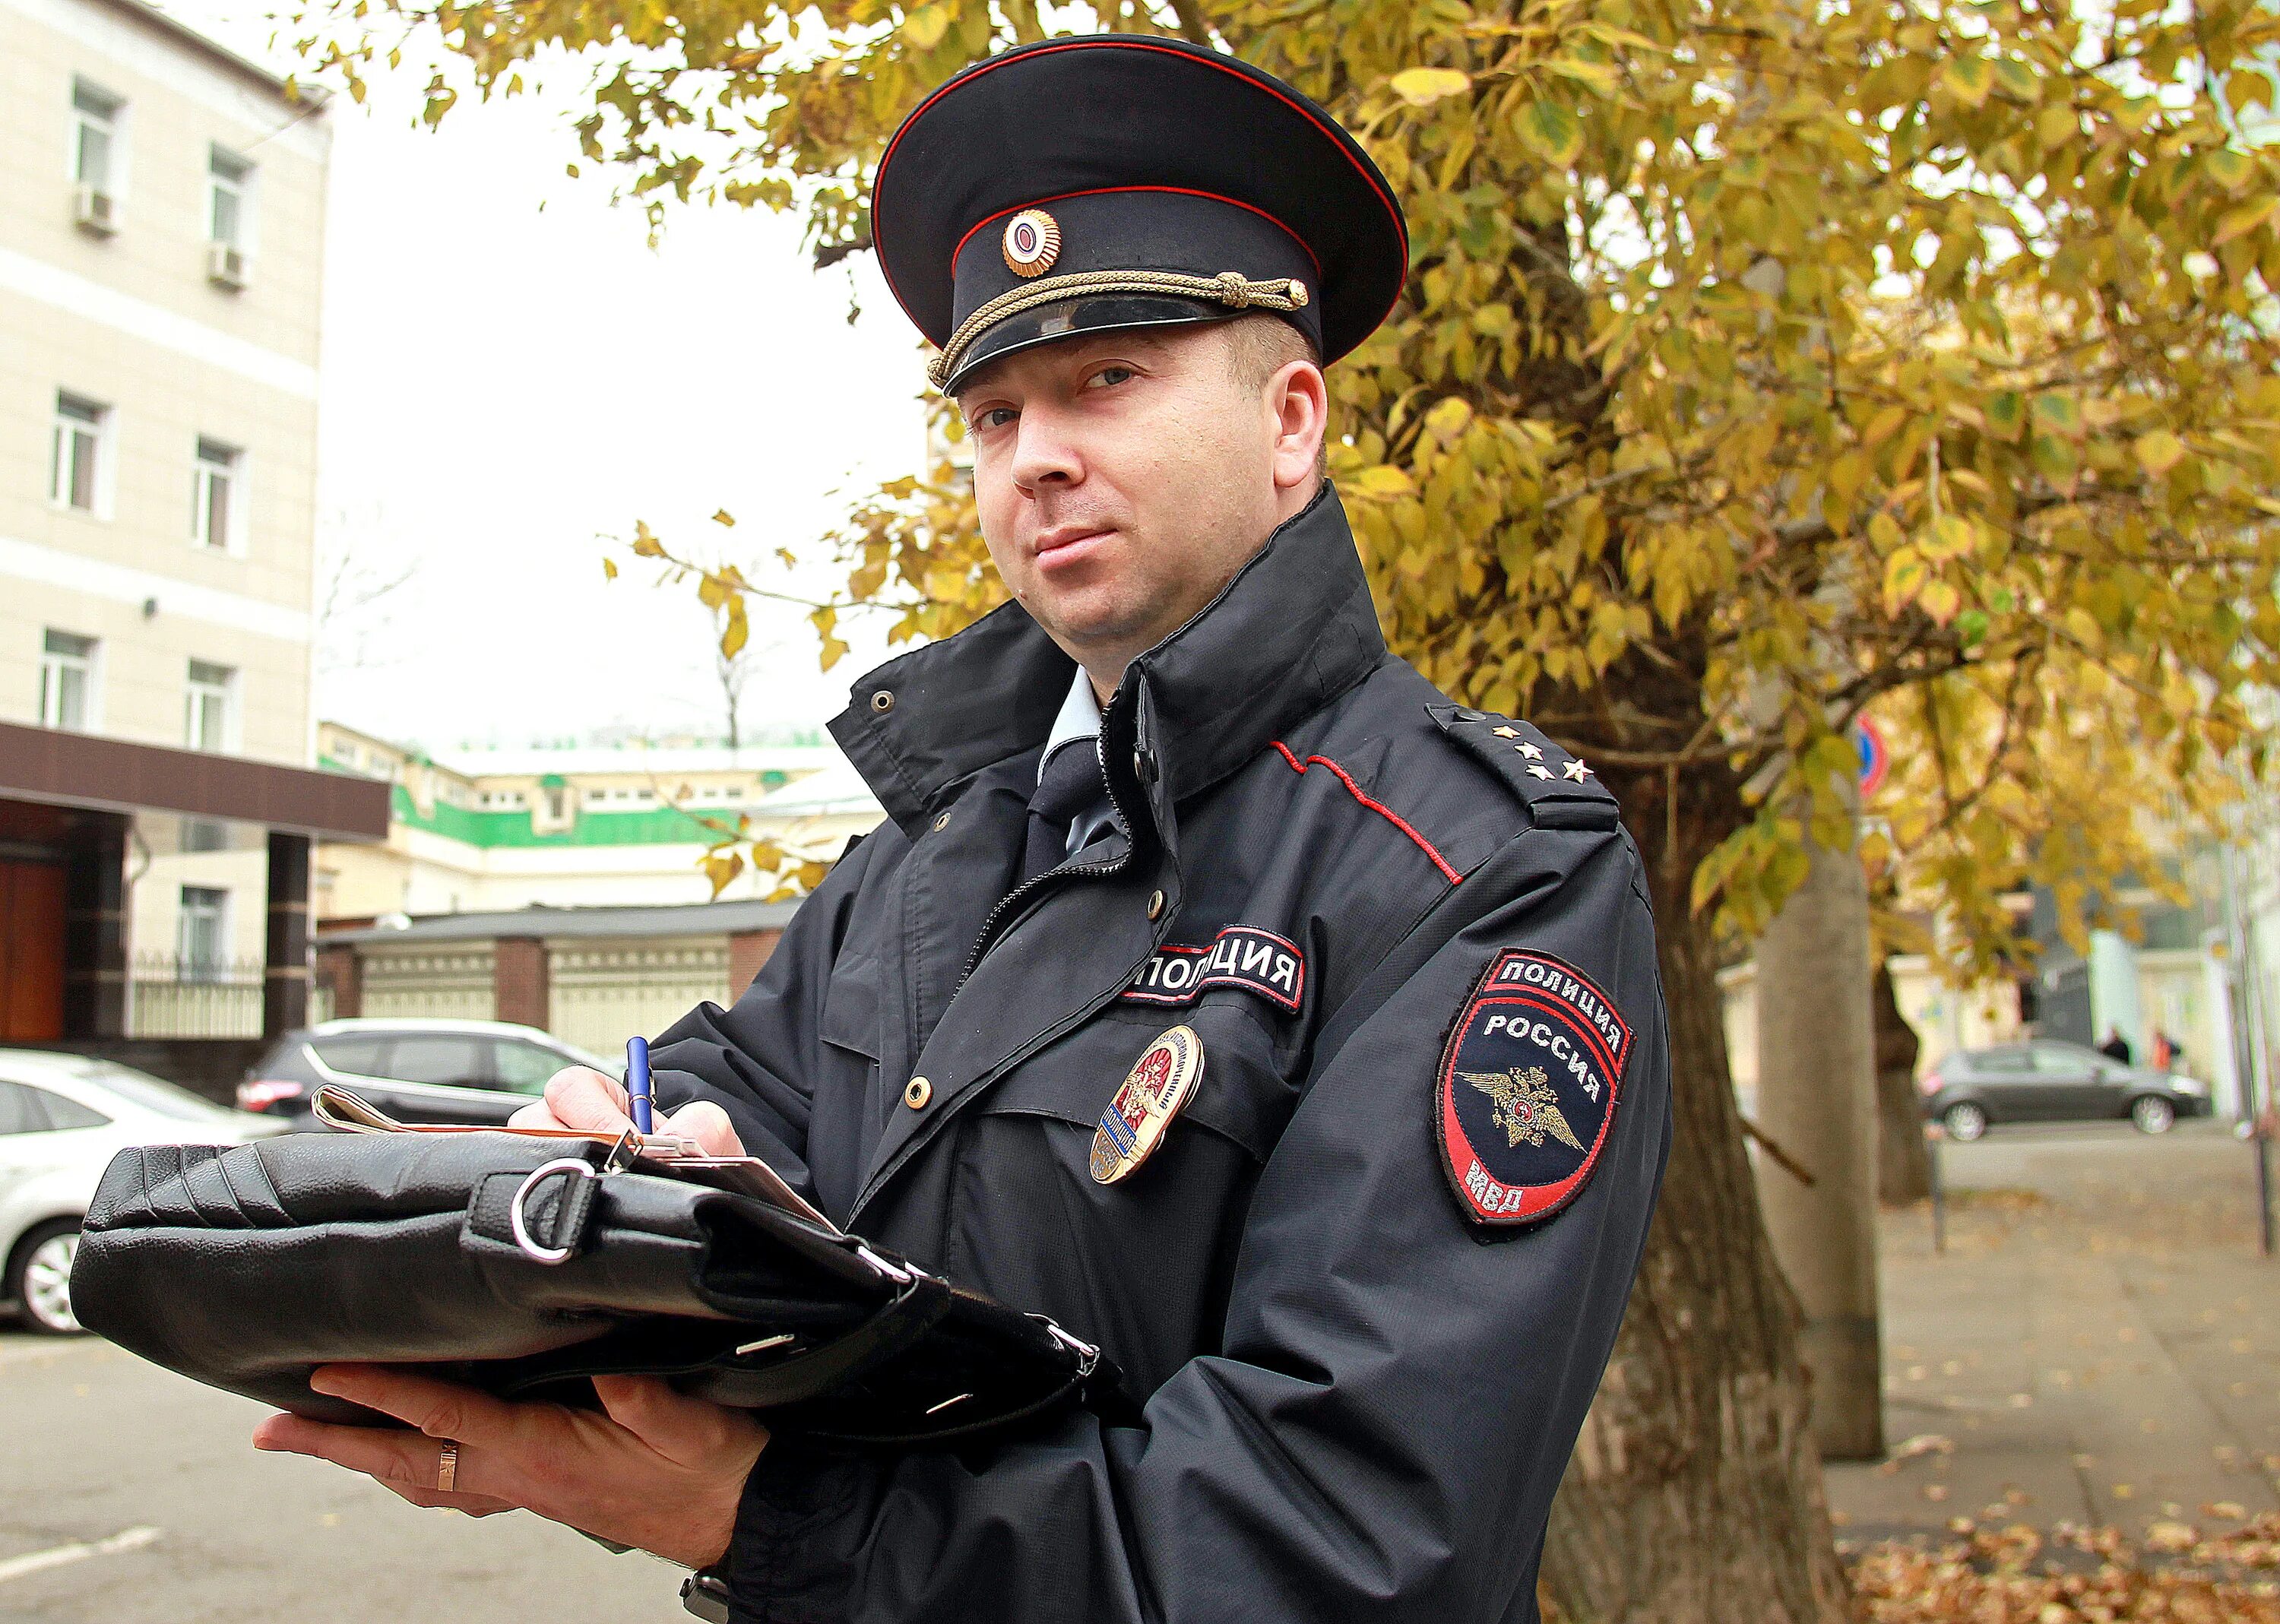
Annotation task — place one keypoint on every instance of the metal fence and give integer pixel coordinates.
(172, 997)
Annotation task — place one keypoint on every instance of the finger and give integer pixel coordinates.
(440, 1409)
(583, 1098)
(408, 1464)
(707, 1124)
(534, 1115)
(390, 1457)
(685, 1430)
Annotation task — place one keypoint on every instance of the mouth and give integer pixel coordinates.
(1068, 545)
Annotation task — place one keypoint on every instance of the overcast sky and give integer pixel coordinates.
(504, 382)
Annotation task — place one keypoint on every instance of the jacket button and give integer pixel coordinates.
(917, 1092)
(882, 702)
(1155, 904)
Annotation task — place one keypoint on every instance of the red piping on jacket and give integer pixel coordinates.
(1379, 807)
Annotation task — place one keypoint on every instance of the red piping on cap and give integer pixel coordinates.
(1202, 59)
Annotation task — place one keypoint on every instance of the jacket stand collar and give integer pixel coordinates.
(1294, 629)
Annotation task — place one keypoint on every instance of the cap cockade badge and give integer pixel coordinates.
(1033, 242)
(1527, 1090)
(1158, 1084)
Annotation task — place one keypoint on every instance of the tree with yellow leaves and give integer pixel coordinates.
(1760, 364)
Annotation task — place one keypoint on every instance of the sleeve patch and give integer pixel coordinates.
(1526, 1092)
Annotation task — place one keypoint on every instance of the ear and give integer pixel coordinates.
(1299, 401)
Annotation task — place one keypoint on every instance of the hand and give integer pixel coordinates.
(657, 1470)
(579, 1097)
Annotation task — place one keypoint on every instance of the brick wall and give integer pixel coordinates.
(519, 992)
(340, 969)
(748, 950)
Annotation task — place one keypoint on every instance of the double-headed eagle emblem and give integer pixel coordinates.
(1527, 1107)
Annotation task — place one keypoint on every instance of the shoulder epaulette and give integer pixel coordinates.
(1559, 790)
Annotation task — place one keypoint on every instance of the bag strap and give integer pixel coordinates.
(894, 1328)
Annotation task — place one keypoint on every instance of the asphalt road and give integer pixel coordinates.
(188, 1524)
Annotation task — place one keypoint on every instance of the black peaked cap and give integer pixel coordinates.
(1119, 181)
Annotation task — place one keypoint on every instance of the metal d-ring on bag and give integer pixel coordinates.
(524, 1264)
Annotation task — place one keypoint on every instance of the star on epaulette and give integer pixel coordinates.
(1533, 752)
(1505, 733)
(1537, 772)
(1578, 770)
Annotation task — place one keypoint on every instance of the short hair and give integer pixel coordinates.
(1259, 345)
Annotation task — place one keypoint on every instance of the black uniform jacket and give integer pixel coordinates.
(1358, 1396)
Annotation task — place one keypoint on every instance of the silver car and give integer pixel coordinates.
(63, 1116)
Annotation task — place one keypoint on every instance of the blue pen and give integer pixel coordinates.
(637, 1081)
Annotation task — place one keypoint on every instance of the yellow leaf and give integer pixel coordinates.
(2242, 220)
(1384, 483)
(1448, 418)
(1553, 132)
(1969, 78)
(925, 27)
(723, 516)
(1422, 87)
(2158, 451)
(609, 569)
(1940, 601)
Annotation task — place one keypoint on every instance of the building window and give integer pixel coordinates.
(204, 835)
(215, 491)
(81, 452)
(210, 718)
(201, 945)
(98, 155)
(67, 682)
(229, 192)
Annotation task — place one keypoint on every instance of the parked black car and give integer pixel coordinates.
(417, 1071)
(2049, 1081)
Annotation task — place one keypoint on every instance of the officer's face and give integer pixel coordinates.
(1123, 478)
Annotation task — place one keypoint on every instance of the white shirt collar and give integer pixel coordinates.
(1079, 719)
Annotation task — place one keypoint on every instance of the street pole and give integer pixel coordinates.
(2255, 1090)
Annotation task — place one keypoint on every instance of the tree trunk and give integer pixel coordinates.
(1695, 1493)
(1903, 1158)
(1817, 1100)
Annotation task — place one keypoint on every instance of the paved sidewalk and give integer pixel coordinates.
(2098, 1344)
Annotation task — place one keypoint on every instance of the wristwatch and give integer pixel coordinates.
(706, 1594)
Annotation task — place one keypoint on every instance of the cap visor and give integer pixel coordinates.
(1079, 316)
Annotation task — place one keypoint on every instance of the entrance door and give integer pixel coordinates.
(31, 951)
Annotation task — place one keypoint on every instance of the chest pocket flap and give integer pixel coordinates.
(1246, 1093)
(849, 1017)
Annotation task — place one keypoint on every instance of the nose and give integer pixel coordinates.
(1044, 454)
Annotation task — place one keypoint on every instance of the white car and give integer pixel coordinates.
(63, 1116)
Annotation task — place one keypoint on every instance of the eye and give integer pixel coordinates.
(994, 417)
(1113, 375)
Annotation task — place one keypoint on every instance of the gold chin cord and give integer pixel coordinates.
(1231, 288)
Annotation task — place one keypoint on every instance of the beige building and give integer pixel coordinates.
(162, 208)
(483, 830)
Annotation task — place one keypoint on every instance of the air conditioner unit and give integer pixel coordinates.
(93, 210)
(226, 265)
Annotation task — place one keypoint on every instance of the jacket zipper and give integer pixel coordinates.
(1085, 871)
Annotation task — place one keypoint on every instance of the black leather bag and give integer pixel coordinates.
(522, 1266)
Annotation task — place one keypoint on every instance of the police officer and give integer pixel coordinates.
(1214, 985)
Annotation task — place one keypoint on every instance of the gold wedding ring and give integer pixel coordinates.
(447, 1468)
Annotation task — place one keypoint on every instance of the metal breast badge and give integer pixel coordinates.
(1155, 1089)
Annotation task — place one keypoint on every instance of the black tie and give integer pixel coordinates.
(1070, 783)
